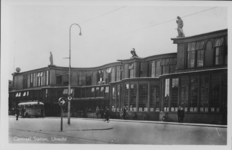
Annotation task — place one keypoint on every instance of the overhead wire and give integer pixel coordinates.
(163, 22)
(103, 14)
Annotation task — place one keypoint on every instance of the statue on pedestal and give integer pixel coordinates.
(51, 59)
(134, 55)
(180, 25)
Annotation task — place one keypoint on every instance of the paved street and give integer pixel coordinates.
(96, 131)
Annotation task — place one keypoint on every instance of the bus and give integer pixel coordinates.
(35, 109)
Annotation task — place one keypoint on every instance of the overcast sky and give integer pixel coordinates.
(109, 31)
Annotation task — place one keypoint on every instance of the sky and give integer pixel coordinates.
(109, 30)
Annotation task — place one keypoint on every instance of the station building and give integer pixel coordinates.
(194, 77)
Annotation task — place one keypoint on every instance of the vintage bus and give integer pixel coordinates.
(32, 109)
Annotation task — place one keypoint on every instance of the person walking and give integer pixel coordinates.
(107, 115)
(17, 113)
(180, 114)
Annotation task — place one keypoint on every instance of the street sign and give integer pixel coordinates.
(61, 101)
(69, 98)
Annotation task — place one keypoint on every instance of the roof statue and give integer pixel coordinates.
(51, 59)
(180, 25)
(134, 55)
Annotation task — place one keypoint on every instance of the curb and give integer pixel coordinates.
(161, 122)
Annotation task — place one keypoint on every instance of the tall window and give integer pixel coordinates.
(93, 92)
(200, 53)
(158, 69)
(209, 54)
(131, 70)
(191, 55)
(165, 66)
(126, 87)
(113, 96)
(102, 91)
(204, 97)
(107, 91)
(175, 87)
(166, 95)
(215, 92)
(97, 91)
(184, 92)
(154, 99)
(118, 98)
(59, 79)
(143, 94)
(153, 69)
(113, 74)
(193, 94)
(133, 96)
(218, 51)
(118, 73)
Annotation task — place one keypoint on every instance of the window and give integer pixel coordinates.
(113, 75)
(215, 92)
(107, 91)
(166, 96)
(153, 69)
(118, 73)
(93, 92)
(165, 66)
(218, 51)
(143, 94)
(131, 70)
(204, 97)
(184, 92)
(113, 96)
(83, 92)
(59, 79)
(126, 87)
(97, 92)
(158, 69)
(133, 96)
(175, 87)
(82, 79)
(209, 54)
(118, 98)
(101, 91)
(200, 53)
(154, 99)
(191, 55)
(193, 94)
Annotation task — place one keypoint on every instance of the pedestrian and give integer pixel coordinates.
(97, 111)
(107, 115)
(124, 112)
(180, 114)
(17, 113)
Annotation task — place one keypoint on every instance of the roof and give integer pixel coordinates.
(30, 103)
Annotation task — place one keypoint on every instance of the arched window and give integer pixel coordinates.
(200, 53)
(209, 54)
(218, 51)
(191, 55)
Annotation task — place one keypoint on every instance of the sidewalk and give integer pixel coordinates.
(162, 122)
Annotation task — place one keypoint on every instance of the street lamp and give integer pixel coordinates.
(69, 82)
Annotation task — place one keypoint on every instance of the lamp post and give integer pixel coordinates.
(69, 82)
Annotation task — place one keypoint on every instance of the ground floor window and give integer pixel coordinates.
(133, 96)
(143, 94)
